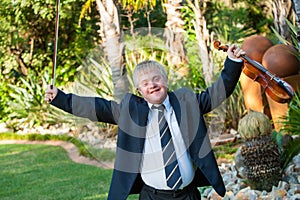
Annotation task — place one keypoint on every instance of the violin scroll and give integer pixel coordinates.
(218, 46)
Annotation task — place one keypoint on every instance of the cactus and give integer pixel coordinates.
(259, 153)
(254, 125)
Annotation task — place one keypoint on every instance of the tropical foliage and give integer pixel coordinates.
(86, 62)
(26, 48)
(289, 146)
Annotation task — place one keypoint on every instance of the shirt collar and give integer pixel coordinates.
(166, 103)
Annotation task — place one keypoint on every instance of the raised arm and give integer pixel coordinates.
(93, 108)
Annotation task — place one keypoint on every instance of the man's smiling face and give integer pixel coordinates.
(153, 86)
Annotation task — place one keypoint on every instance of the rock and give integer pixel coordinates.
(207, 192)
(223, 139)
(229, 195)
(4, 129)
(283, 185)
(214, 196)
(237, 189)
(296, 197)
(278, 193)
(239, 163)
(243, 194)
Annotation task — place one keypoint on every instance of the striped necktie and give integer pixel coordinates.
(172, 171)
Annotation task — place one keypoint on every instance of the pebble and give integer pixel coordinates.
(287, 189)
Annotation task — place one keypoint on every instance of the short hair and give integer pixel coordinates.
(146, 66)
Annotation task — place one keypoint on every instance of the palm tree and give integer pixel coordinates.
(111, 35)
(203, 37)
(296, 6)
(132, 6)
(113, 46)
(282, 10)
(174, 34)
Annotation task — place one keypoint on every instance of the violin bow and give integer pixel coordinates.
(55, 44)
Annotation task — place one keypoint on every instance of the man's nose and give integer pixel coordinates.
(152, 84)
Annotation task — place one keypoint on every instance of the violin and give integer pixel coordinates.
(277, 89)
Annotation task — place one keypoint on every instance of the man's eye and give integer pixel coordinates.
(156, 79)
(145, 84)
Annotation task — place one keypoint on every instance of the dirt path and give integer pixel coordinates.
(69, 147)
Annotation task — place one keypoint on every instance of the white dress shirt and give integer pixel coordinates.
(152, 168)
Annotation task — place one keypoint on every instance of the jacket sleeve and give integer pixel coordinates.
(93, 108)
(222, 88)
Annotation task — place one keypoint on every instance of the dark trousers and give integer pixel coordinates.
(188, 193)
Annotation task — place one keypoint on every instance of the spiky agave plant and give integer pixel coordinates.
(260, 155)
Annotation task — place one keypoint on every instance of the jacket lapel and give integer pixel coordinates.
(176, 106)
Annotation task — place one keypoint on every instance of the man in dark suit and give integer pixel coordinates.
(163, 151)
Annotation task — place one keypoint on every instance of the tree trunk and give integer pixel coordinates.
(203, 37)
(113, 46)
(296, 6)
(174, 33)
(282, 10)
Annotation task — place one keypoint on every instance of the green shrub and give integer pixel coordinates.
(28, 108)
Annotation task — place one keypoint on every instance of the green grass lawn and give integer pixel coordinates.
(33, 172)
(30, 172)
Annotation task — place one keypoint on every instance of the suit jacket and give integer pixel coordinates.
(131, 117)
